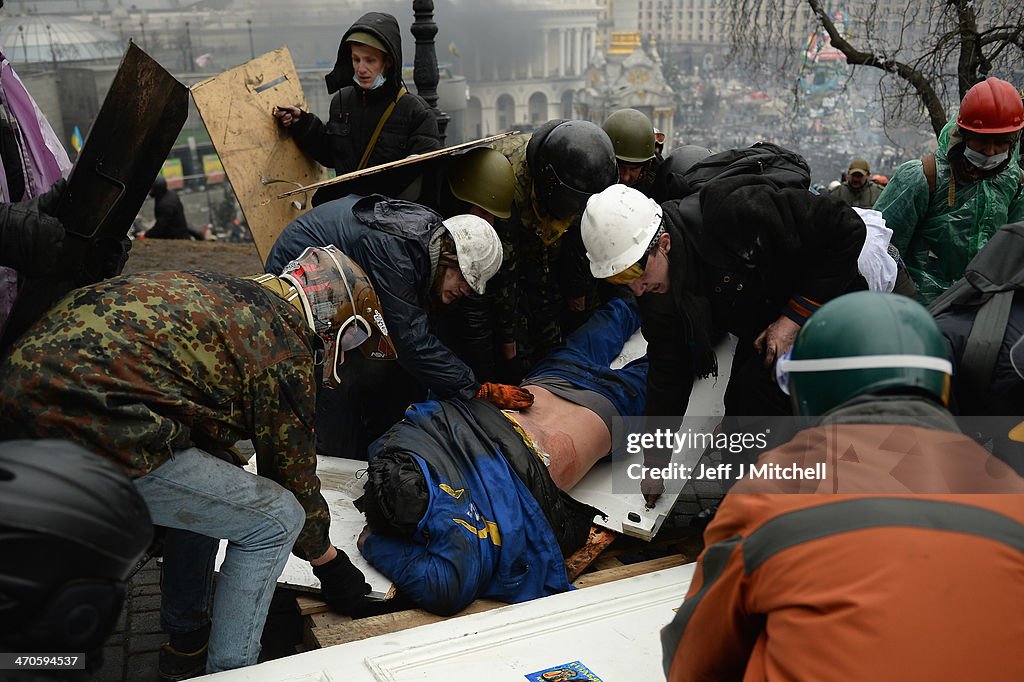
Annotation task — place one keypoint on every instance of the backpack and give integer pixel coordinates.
(988, 286)
(785, 169)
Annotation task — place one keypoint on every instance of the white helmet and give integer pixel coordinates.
(617, 227)
(477, 247)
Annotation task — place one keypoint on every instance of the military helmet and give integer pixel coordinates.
(72, 529)
(569, 161)
(340, 306)
(669, 182)
(483, 177)
(865, 343)
(632, 135)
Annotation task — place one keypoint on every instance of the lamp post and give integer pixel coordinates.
(424, 72)
(188, 46)
(252, 48)
(142, 28)
(53, 54)
(24, 43)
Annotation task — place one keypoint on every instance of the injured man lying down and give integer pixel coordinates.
(464, 500)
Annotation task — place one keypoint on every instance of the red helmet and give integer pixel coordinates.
(990, 107)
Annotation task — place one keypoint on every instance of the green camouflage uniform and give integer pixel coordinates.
(535, 279)
(136, 367)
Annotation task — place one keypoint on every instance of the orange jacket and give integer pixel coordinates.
(876, 582)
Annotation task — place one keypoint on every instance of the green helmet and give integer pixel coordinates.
(632, 135)
(483, 177)
(862, 343)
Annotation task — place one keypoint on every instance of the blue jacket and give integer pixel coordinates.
(483, 534)
(389, 240)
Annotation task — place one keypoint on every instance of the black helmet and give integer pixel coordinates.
(569, 161)
(669, 183)
(72, 528)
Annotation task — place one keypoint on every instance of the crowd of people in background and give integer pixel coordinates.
(469, 271)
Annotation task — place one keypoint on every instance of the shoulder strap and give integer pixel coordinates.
(983, 344)
(928, 165)
(380, 126)
(1020, 184)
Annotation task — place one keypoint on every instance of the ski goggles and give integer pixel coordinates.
(627, 276)
(786, 366)
(637, 269)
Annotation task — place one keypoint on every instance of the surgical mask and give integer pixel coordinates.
(377, 82)
(983, 162)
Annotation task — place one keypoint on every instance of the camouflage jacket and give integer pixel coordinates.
(136, 367)
(535, 278)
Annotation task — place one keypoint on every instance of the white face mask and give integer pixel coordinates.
(377, 82)
(983, 162)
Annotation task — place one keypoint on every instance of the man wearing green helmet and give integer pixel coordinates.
(858, 554)
(634, 138)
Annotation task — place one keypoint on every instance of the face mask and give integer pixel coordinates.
(377, 82)
(983, 162)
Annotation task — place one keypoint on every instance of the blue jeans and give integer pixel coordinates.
(583, 359)
(199, 493)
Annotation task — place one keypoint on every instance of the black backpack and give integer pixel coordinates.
(781, 166)
(989, 284)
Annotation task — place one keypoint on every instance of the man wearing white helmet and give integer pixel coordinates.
(741, 257)
(416, 261)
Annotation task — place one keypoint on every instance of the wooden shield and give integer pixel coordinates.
(259, 156)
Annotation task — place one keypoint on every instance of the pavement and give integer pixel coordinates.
(132, 651)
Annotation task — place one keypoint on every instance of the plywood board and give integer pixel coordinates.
(259, 156)
(340, 485)
(611, 629)
(627, 511)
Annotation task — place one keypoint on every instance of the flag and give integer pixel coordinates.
(76, 140)
(203, 60)
(453, 49)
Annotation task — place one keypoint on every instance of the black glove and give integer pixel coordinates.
(31, 239)
(343, 585)
(48, 199)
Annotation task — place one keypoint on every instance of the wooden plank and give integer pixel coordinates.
(408, 160)
(387, 623)
(325, 629)
(598, 541)
(236, 107)
(603, 563)
(628, 571)
(309, 605)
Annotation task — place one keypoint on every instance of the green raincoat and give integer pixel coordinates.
(936, 240)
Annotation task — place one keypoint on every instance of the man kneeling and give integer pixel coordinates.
(465, 501)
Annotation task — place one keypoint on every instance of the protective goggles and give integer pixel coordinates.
(627, 276)
(637, 269)
(785, 366)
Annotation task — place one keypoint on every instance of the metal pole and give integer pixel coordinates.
(424, 72)
(142, 27)
(252, 49)
(53, 55)
(188, 44)
(24, 43)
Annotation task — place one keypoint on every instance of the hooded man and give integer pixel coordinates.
(942, 208)
(373, 118)
(169, 213)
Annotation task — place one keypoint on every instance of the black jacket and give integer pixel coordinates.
(389, 240)
(355, 113)
(170, 217)
(743, 253)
